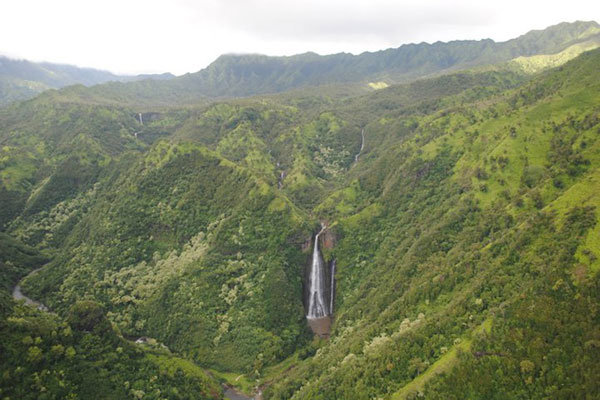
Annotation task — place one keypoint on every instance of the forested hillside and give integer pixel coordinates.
(474, 239)
(461, 211)
(82, 357)
(22, 79)
(80, 354)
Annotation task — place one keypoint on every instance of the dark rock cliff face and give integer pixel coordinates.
(307, 245)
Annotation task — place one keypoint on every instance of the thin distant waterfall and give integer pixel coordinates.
(362, 145)
(141, 121)
(317, 306)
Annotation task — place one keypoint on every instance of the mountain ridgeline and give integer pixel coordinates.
(246, 75)
(181, 241)
(22, 79)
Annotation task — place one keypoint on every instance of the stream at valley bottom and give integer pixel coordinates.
(18, 295)
(232, 394)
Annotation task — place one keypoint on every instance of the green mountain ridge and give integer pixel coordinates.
(253, 74)
(243, 75)
(404, 63)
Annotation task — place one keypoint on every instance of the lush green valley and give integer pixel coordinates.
(81, 354)
(46, 357)
(461, 211)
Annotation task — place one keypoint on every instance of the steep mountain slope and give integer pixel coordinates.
(16, 261)
(58, 149)
(44, 356)
(186, 236)
(465, 234)
(474, 241)
(80, 356)
(22, 79)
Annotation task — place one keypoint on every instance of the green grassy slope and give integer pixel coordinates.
(484, 211)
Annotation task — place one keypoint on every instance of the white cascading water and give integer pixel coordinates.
(317, 306)
(362, 145)
(332, 288)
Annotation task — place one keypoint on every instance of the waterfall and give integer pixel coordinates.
(280, 180)
(362, 144)
(141, 121)
(332, 289)
(317, 306)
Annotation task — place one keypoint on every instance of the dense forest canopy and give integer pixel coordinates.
(169, 232)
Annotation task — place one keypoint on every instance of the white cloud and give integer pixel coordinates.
(135, 36)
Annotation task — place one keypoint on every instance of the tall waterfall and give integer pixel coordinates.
(317, 306)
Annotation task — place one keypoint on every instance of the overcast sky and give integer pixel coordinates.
(150, 36)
